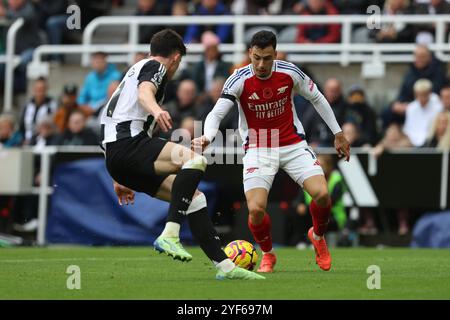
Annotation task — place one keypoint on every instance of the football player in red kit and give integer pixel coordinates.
(274, 139)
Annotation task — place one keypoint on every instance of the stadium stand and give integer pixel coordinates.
(410, 58)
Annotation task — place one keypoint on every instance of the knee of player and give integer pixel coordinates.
(256, 210)
(198, 162)
(322, 198)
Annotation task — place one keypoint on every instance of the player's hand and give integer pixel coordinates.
(199, 144)
(342, 146)
(164, 120)
(124, 194)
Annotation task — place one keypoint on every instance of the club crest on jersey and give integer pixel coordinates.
(282, 89)
(267, 93)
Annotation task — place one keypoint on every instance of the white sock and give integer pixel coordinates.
(316, 237)
(171, 230)
(226, 265)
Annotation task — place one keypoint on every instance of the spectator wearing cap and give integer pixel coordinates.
(318, 33)
(206, 8)
(40, 106)
(95, 87)
(68, 104)
(421, 112)
(362, 115)
(9, 136)
(212, 66)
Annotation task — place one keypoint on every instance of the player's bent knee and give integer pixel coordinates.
(198, 202)
(256, 211)
(197, 162)
(322, 198)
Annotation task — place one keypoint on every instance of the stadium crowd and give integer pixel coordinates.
(419, 116)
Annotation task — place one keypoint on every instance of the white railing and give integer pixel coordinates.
(11, 62)
(344, 48)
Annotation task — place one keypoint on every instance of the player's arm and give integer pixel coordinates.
(212, 123)
(231, 92)
(308, 89)
(150, 78)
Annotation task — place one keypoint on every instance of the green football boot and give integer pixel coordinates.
(172, 247)
(238, 274)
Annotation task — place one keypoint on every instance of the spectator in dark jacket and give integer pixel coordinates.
(76, 133)
(317, 33)
(150, 8)
(426, 33)
(209, 7)
(425, 66)
(362, 115)
(212, 66)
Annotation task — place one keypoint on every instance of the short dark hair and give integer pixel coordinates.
(166, 42)
(264, 38)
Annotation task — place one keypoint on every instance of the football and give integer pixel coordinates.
(242, 253)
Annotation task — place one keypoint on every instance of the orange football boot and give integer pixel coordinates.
(323, 258)
(268, 262)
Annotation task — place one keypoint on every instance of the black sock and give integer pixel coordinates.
(204, 233)
(183, 190)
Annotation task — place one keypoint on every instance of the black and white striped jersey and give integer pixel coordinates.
(123, 116)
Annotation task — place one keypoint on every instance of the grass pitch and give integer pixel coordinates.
(141, 273)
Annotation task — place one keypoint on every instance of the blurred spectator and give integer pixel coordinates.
(40, 106)
(27, 38)
(212, 66)
(253, 7)
(338, 217)
(45, 133)
(188, 124)
(92, 9)
(445, 97)
(361, 114)
(180, 9)
(207, 104)
(76, 133)
(439, 135)
(355, 6)
(209, 7)
(393, 138)
(95, 86)
(68, 104)
(352, 133)
(150, 8)
(421, 112)
(394, 32)
(425, 33)
(53, 18)
(317, 33)
(9, 136)
(425, 66)
(184, 105)
(316, 129)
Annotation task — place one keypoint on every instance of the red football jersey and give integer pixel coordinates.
(267, 116)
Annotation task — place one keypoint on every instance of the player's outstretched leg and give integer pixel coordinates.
(260, 225)
(205, 234)
(182, 189)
